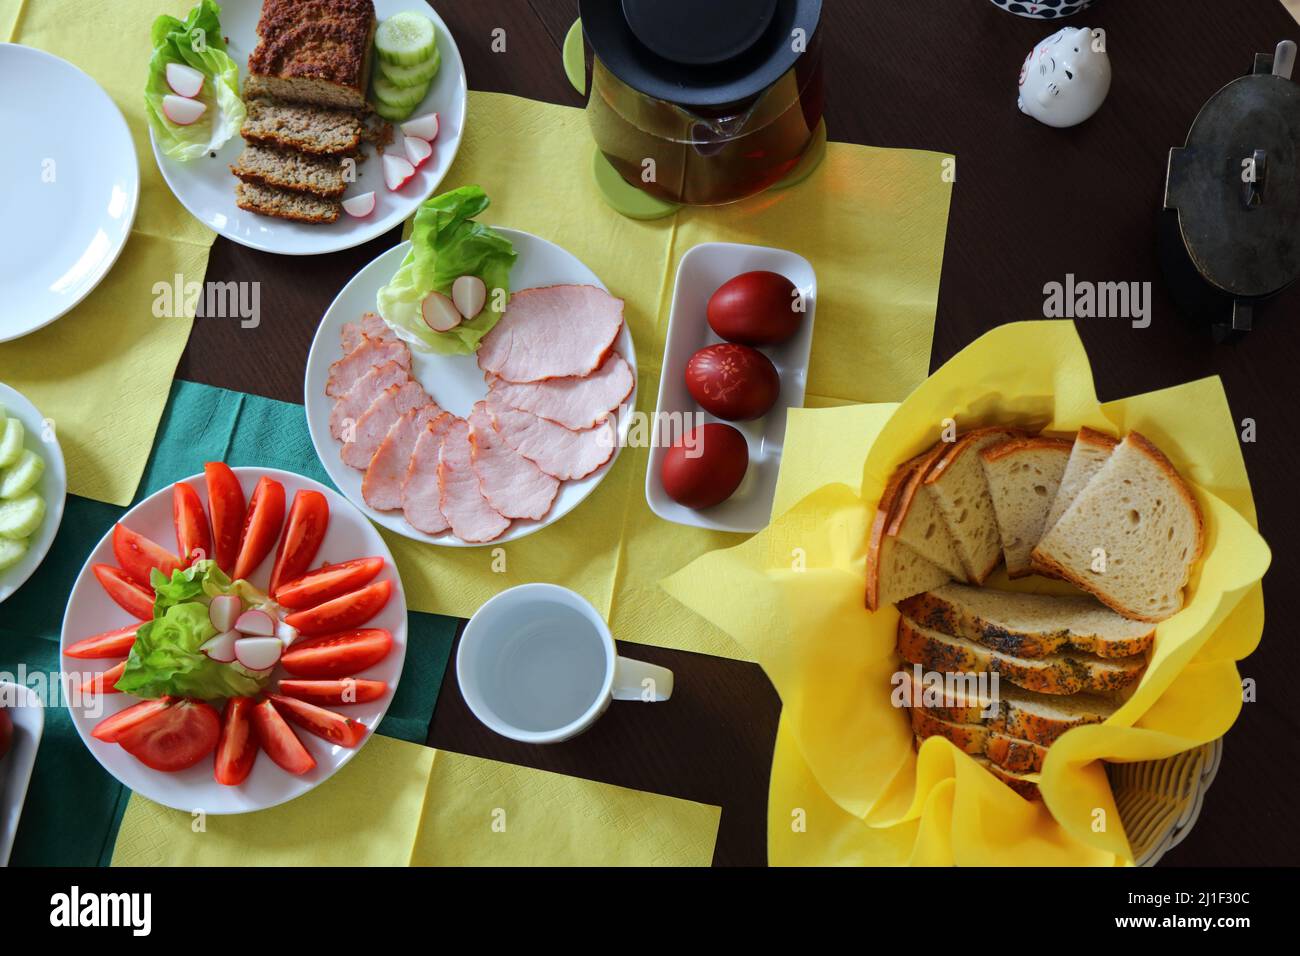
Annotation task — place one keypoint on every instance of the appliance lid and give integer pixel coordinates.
(699, 52)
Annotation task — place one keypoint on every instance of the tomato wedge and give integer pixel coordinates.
(137, 555)
(193, 539)
(226, 504)
(305, 530)
(237, 745)
(108, 644)
(175, 738)
(261, 526)
(105, 683)
(326, 724)
(350, 610)
(337, 655)
(325, 584)
(349, 690)
(110, 728)
(279, 741)
(129, 596)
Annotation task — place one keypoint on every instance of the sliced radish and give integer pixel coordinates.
(222, 647)
(469, 293)
(255, 624)
(423, 127)
(359, 206)
(180, 110)
(223, 611)
(258, 653)
(184, 80)
(286, 633)
(397, 170)
(440, 313)
(417, 150)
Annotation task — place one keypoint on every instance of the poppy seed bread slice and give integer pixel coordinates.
(308, 129)
(284, 204)
(1131, 535)
(1024, 785)
(1023, 476)
(321, 176)
(1018, 756)
(1089, 452)
(1029, 625)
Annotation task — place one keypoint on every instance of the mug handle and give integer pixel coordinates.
(637, 680)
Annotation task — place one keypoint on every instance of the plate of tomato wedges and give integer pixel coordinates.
(233, 640)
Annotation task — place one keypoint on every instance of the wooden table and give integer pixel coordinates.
(1030, 205)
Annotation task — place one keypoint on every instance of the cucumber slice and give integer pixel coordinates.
(20, 516)
(11, 550)
(22, 475)
(397, 97)
(392, 114)
(406, 39)
(404, 76)
(11, 441)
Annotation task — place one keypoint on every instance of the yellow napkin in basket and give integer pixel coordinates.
(102, 372)
(399, 804)
(871, 222)
(793, 596)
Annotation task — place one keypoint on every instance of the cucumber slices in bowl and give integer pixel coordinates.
(406, 62)
(32, 488)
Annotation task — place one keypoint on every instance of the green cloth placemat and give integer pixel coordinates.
(73, 806)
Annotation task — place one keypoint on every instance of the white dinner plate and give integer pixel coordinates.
(28, 716)
(38, 436)
(206, 187)
(454, 381)
(70, 187)
(92, 611)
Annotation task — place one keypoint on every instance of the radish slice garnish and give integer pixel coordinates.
(255, 624)
(180, 110)
(223, 611)
(439, 312)
(359, 206)
(184, 80)
(423, 127)
(417, 150)
(397, 170)
(258, 653)
(222, 647)
(287, 633)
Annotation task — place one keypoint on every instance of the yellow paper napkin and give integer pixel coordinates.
(398, 804)
(793, 595)
(102, 372)
(872, 223)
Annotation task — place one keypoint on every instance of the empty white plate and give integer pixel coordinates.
(71, 186)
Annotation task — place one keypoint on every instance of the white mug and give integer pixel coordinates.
(536, 663)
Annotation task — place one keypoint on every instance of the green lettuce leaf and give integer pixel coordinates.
(196, 41)
(446, 243)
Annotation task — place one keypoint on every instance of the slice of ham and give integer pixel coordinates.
(371, 352)
(420, 493)
(382, 486)
(575, 403)
(511, 483)
(468, 512)
(371, 326)
(561, 452)
(349, 407)
(559, 331)
(374, 423)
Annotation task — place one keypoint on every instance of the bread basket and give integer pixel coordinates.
(1159, 800)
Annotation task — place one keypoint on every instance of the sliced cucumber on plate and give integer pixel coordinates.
(11, 441)
(11, 550)
(406, 39)
(407, 61)
(22, 515)
(420, 73)
(397, 97)
(22, 475)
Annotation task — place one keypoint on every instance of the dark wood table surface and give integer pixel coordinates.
(1030, 205)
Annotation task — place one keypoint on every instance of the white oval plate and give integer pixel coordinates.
(206, 186)
(454, 381)
(91, 611)
(28, 714)
(71, 186)
(38, 436)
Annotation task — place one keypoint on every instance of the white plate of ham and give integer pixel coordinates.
(466, 450)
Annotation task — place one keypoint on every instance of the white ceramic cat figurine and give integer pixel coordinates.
(1066, 77)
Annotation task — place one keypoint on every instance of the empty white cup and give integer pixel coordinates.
(537, 663)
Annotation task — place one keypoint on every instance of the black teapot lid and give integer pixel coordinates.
(699, 52)
(1236, 186)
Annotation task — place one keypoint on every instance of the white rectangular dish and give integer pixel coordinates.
(702, 270)
(25, 709)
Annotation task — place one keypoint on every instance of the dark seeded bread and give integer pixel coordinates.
(1024, 785)
(309, 129)
(283, 204)
(318, 175)
(313, 51)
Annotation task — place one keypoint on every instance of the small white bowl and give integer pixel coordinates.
(39, 437)
(28, 714)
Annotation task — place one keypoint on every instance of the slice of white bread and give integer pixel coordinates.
(1090, 450)
(1131, 536)
(1060, 673)
(1023, 476)
(1029, 625)
(916, 520)
(956, 483)
(895, 571)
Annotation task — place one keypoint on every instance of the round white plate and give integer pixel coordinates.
(91, 611)
(71, 186)
(38, 436)
(454, 381)
(206, 187)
